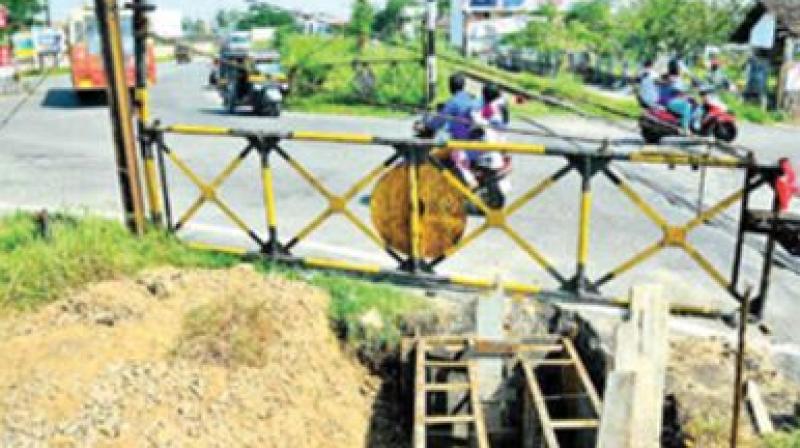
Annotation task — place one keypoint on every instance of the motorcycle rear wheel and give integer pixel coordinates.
(492, 196)
(650, 136)
(725, 132)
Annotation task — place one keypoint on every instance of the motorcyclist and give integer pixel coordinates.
(455, 117)
(648, 92)
(493, 115)
(489, 118)
(674, 96)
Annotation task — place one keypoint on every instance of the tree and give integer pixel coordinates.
(388, 20)
(361, 22)
(591, 24)
(227, 19)
(546, 32)
(21, 13)
(679, 26)
(261, 15)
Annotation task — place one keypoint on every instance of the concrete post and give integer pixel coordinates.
(430, 52)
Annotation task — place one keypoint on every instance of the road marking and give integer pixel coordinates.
(310, 244)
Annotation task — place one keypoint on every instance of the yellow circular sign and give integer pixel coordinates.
(441, 208)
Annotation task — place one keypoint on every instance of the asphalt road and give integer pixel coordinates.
(56, 153)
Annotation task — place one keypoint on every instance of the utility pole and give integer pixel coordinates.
(119, 102)
(48, 14)
(141, 31)
(430, 52)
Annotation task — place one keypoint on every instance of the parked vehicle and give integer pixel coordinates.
(492, 170)
(716, 121)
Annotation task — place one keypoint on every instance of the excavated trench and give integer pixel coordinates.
(511, 419)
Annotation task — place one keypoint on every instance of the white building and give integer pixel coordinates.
(167, 23)
(477, 26)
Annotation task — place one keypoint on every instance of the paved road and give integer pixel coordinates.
(56, 153)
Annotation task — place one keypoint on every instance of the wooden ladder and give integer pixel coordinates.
(551, 427)
(468, 411)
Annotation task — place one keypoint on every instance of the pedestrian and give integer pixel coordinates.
(716, 78)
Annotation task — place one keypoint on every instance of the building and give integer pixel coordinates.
(314, 23)
(412, 19)
(477, 26)
(772, 29)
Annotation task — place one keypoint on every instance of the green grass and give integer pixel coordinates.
(783, 440)
(319, 105)
(35, 72)
(351, 299)
(751, 112)
(35, 270)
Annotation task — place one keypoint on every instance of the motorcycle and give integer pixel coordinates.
(716, 121)
(491, 170)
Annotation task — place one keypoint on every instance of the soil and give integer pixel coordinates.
(700, 377)
(101, 367)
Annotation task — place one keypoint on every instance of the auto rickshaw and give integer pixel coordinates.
(252, 80)
(183, 54)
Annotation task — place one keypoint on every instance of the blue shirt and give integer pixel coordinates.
(456, 117)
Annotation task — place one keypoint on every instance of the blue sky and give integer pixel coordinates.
(207, 8)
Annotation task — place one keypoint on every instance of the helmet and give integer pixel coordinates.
(457, 82)
(490, 92)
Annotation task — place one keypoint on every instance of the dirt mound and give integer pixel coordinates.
(701, 377)
(183, 358)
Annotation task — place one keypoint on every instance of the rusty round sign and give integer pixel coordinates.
(442, 215)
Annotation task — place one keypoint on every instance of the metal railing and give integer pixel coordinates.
(412, 155)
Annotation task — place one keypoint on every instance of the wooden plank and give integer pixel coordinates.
(553, 362)
(761, 418)
(446, 387)
(420, 397)
(477, 407)
(436, 341)
(588, 386)
(485, 347)
(541, 407)
(576, 424)
(448, 364)
(448, 419)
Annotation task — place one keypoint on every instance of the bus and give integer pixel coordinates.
(86, 54)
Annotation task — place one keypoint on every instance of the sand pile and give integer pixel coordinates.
(183, 358)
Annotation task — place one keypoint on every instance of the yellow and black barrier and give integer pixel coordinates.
(415, 261)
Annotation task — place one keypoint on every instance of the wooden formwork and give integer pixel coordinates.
(447, 405)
